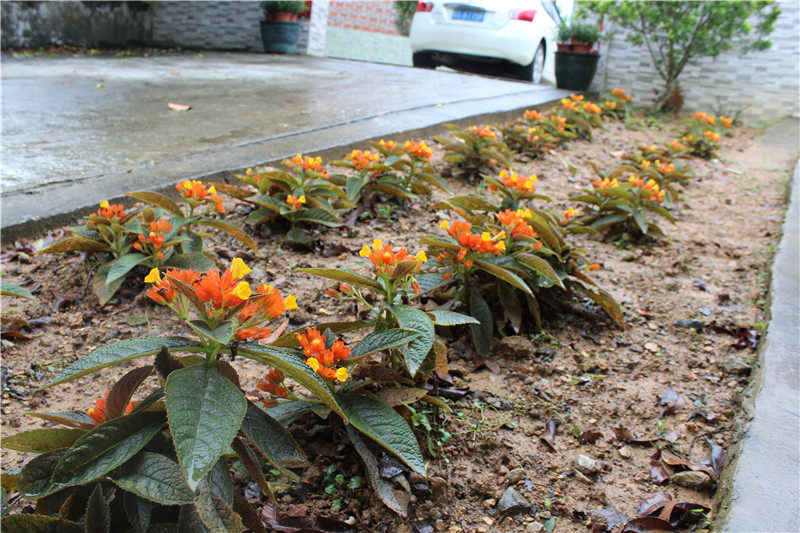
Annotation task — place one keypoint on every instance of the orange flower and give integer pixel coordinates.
(482, 132)
(727, 122)
(576, 97)
(322, 359)
(699, 115)
(483, 243)
(268, 304)
(606, 183)
(158, 231)
(222, 291)
(196, 193)
(419, 150)
(309, 163)
(385, 259)
(252, 334)
(363, 160)
(163, 292)
(666, 168)
(114, 213)
(533, 114)
(98, 412)
(525, 185)
(389, 145)
(568, 214)
(592, 108)
(594, 266)
(656, 194)
(515, 220)
(636, 181)
(566, 103)
(294, 202)
(273, 383)
(677, 144)
(712, 135)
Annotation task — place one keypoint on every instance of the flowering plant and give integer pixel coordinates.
(165, 454)
(503, 264)
(580, 116)
(529, 134)
(475, 150)
(301, 194)
(617, 104)
(703, 133)
(515, 190)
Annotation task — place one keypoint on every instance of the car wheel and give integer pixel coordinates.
(533, 71)
(423, 60)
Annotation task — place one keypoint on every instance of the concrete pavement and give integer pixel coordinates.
(77, 131)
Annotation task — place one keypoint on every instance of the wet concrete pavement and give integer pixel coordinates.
(80, 130)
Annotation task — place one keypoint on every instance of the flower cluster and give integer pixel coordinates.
(196, 193)
(363, 160)
(656, 194)
(606, 183)
(114, 213)
(621, 95)
(273, 384)
(568, 214)
(483, 243)
(532, 114)
(155, 238)
(512, 180)
(420, 150)
(385, 259)
(321, 358)
(515, 223)
(98, 413)
(301, 165)
(294, 202)
(388, 145)
(592, 108)
(482, 132)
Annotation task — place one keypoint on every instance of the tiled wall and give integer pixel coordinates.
(766, 85)
(375, 16)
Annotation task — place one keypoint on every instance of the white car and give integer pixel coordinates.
(513, 38)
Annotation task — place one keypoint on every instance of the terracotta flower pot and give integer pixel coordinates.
(282, 16)
(564, 47)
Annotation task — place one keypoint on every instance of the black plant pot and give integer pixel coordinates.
(575, 70)
(279, 37)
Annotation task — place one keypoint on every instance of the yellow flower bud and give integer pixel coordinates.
(290, 302)
(313, 363)
(238, 268)
(377, 244)
(364, 251)
(104, 204)
(342, 374)
(153, 276)
(242, 290)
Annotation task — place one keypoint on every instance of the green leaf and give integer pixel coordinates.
(482, 331)
(36, 523)
(154, 477)
(542, 228)
(222, 333)
(115, 353)
(219, 481)
(318, 216)
(353, 188)
(443, 317)
(413, 319)
(98, 515)
(232, 230)
(607, 302)
(191, 260)
(106, 447)
(380, 340)
(472, 203)
(430, 282)
(512, 308)
(272, 440)
(9, 289)
(73, 419)
(158, 200)
(74, 244)
(42, 440)
(344, 276)
(189, 521)
(640, 221)
(138, 511)
(540, 266)
(240, 193)
(124, 264)
(287, 412)
(205, 412)
(120, 394)
(382, 424)
(383, 488)
(505, 275)
(290, 363)
(33, 480)
(288, 340)
(103, 291)
(215, 514)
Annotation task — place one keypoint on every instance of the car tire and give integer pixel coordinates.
(423, 60)
(533, 71)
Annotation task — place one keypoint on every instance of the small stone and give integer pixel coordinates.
(691, 323)
(586, 465)
(512, 502)
(628, 256)
(534, 527)
(257, 275)
(415, 478)
(705, 311)
(24, 258)
(652, 347)
(692, 479)
(488, 521)
(488, 504)
(637, 348)
(544, 515)
(516, 475)
(735, 365)
(439, 525)
(625, 452)
(581, 477)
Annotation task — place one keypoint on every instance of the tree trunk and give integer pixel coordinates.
(661, 99)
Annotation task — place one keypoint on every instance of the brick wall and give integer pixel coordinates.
(374, 16)
(765, 85)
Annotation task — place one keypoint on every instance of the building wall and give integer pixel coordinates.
(764, 85)
(374, 16)
(87, 24)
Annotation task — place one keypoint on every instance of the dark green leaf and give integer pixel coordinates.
(205, 412)
(189, 521)
(115, 353)
(124, 264)
(154, 477)
(272, 440)
(287, 412)
(192, 260)
(74, 244)
(344, 277)
(318, 216)
(219, 482)
(382, 424)
(413, 319)
(509, 300)
(482, 331)
(540, 266)
(9, 289)
(504, 274)
(98, 515)
(222, 333)
(103, 291)
(74, 419)
(120, 394)
(383, 489)
(106, 447)
(165, 363)
(35, 523)
(216, 515)
(234, 231)
(138, 511)
(443, 317)
(380, 340)
(429, 282)
(34, 478)
(42, 440)
(158, 200)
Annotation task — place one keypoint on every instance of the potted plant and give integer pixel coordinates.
(280, 29)
(576, 63)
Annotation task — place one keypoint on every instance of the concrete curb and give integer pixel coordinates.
(763, 479)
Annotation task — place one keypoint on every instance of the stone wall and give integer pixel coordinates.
(87, 24)
(764, 85)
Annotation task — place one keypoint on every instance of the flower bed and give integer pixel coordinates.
(580, 416)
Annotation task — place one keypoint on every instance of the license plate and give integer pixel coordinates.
(468, 14)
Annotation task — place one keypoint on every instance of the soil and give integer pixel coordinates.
(676, 385)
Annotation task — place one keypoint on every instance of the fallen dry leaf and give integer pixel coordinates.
(653, 504)
(673, 460)
(626, 435)
(178, 107)
(647, 524)
(549, 436)
(673, 402)
(305, 524)
(589, 437)
(658, 473)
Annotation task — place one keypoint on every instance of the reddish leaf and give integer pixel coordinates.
(672, 400)
(717, 457)
(653, 504)
(647, 524)
(310, 524)
(549, 436)
(611, 516)
(336, 249)
(699, 285)
(658, 473)
(120, 394)
(589, 437)
(626, 435)
(682, 513)
(673, 460)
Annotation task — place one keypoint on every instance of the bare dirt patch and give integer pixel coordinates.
(573, 385)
